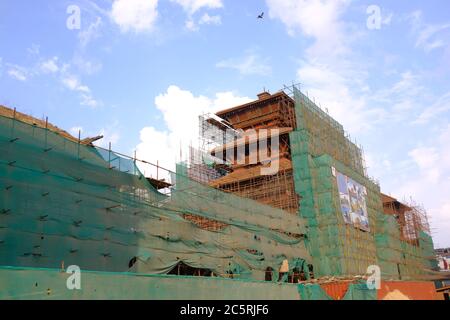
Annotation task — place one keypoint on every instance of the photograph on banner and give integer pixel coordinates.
(352, 197)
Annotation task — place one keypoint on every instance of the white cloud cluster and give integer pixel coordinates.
(62, 71)
(135, 15)
(86, 66)
(69, 80)
(73, 83)
(110, 135)
(401, 99)
(192, 6)
(335, 91)
(318, 19)
(251, 64)
(212, 20)
(441, 106)
(90, 33)
(141, 15)
(180, 109)
(50, 65)
(328, 70)
(429, 36)
(429, 182)
(18, 73)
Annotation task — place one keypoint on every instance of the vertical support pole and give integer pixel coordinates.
(79, 142)
(157, 169)
(13, 124)
(134, 168)
(109, 156)
(46, 132)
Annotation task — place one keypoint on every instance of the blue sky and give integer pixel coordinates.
(139, 71)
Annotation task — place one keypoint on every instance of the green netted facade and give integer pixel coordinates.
(35, 283)
(319, 145)
(65, 203)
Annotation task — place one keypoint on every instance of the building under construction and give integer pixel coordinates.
(274, 204)
(317, 162)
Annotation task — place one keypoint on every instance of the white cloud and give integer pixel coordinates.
(180, 109)
(423, 175)
(441, 106)
(329, 71)
(192, 6)
(73, 83)
(429, 182)
(90, 33)
(135, 15)
(402, 98)
(252, 64)
(318, 19)
(156, 147)
(425, 36)
(109, 136)
(335, 90)
(213, 20)
(18, 73)
(206, 19)
(86, 66)
(429, 36)
(426, 158)
(88, 100)
(191, 25)
(70, 80)
(50, 65)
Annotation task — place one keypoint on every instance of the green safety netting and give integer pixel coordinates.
(359, 291)
(312, 292)
(319, 146)
(67, 203)
(35, 283)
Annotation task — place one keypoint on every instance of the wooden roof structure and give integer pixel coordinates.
(13, 114)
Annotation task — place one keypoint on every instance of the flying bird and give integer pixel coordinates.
(261, 15)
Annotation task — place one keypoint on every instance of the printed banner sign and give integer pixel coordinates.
(352, 197)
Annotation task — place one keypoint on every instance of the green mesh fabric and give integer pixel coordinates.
(312, 292)
(65, 203)
(32, 283)
(319, 144)
(359, 291)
